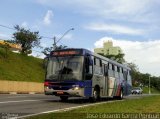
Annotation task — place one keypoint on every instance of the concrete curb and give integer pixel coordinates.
(14, 93)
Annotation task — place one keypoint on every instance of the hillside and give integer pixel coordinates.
(152, 89)
(17, 67)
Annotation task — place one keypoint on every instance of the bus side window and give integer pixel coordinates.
(122, 70)
(100, 63)
(118, 69)
(129, 72)
(86, 64)
(94, 61)
(110, 66)
(113, 68)
(103, 69)
(106, 70)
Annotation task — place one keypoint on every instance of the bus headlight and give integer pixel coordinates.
(75, 87)
(46, 87)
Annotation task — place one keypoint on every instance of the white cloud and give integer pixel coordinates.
(133, 10)
(145, 54)
(48, 17)
(24, 24)
(128, 7)
(5, 36)
(114, 28)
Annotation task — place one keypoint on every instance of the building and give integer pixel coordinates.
(108, 49)
(13, 46)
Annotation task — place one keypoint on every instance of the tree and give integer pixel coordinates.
(6, 47)
(133, 67)
(26, 39)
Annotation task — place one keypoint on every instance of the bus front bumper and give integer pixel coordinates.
(73, 92)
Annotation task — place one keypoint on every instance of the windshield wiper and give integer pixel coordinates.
(53, 76)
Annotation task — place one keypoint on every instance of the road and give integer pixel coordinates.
(37, 103)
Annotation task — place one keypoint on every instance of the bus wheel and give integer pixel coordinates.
(121, 95)
(64, 98)
(96, 95)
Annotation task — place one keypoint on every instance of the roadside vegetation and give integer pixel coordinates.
(135, 106)
(152, 89)
(19, 67)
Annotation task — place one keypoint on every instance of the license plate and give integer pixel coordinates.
(60, 92)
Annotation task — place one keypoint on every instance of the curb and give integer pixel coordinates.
(14, 93)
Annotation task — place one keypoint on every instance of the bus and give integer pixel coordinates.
(82, 73)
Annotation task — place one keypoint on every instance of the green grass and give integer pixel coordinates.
(153, 90)
(143, 105)
(17, 67)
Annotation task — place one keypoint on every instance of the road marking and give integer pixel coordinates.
(67, 109)
(24, 101)
(17, 101)
(16, 97)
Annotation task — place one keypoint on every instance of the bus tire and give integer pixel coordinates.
(96, 95)
(64, 98)
(121, 95)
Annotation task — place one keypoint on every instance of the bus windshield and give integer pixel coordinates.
(64, 68)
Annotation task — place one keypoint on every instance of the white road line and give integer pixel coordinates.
(67, 109)
(23, 101)
(17, 101)
(16, 97)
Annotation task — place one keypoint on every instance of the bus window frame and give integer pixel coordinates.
(98, 66)
(88, 75)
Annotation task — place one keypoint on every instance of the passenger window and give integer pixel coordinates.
(98, 66)
(110, 66)
(88, 68)
(118, 69)
(122, 70)
(113, 68)
(87, 65)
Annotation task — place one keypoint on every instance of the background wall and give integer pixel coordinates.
(20, 87)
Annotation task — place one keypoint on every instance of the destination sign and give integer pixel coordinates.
(62, 53)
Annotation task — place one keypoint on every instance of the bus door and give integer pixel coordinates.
(88, 74)
(105, 82)
(111, 79)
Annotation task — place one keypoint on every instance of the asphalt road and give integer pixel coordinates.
(37, 103)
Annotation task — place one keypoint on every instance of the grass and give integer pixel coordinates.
(135, 106)
(153, 90)
(17, 67)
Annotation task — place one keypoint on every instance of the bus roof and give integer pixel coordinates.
(82, 51)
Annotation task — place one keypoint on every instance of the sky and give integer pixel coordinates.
(131, 24)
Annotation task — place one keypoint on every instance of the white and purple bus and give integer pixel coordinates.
(82, 73)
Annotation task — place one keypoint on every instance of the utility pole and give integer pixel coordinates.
(64, 34)
(149, 86)
(56, 41)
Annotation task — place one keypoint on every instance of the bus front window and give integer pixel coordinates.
(65, 68)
